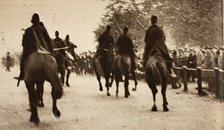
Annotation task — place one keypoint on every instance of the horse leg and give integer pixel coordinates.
(55, 110)
(163, 91)
(154, 92)
(100, 84)
(32, 102)
(62, 74)
(117, 85)
(135, 80)
(112, 79)
(126, 83)
(40, 92)
(98, 77)
(107, 84)
(117, 88)
(63, 77)
(67, 77)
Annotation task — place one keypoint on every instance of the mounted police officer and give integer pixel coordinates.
(125, 46)
(106, 41)
(35, 39)
(59, 43)
(71, 46)
(155, 38)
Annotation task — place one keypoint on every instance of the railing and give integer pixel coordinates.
(216, 73)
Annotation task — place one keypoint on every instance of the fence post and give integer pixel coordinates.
(199, 81)
(185, 78)
(217, 82)
(221, 83)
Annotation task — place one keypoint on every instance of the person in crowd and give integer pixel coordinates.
(8, 61)
(192, 63)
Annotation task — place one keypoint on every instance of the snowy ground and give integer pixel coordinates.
(84, 107)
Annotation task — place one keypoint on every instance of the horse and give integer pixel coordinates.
(156, 73)
(103, 65)
(122, 67)
(38, 68)
(65, 63)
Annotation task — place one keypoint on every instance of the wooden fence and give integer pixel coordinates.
(215, 75)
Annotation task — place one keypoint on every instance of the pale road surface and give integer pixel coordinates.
(83, 107)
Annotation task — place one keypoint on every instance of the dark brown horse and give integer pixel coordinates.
(156, 73)
(38, 68)
(103, 65)
(122, 67)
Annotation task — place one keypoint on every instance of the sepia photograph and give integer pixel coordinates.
(111, 65)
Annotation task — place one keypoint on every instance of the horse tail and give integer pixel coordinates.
(52, 74)
(125, 64)
(122, 64)
(153, 71)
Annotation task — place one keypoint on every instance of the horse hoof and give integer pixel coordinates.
(101, 88)
(154, 108)
(57, 113)
(126, 95)
(108, 94)
(40, 105)
(67, 84)
(165, 108)
(34, 120)
(133, 89)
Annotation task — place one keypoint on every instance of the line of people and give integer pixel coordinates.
(206, 57)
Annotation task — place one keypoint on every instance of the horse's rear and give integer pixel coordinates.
(122, 67)
(103, 64)
(38, 68)
(156, 73)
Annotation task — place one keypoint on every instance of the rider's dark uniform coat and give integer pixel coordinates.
(34, 37)
(155, 35)
(105, 41)
(125, 45)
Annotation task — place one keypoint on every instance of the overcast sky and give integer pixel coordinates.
(78, 18)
